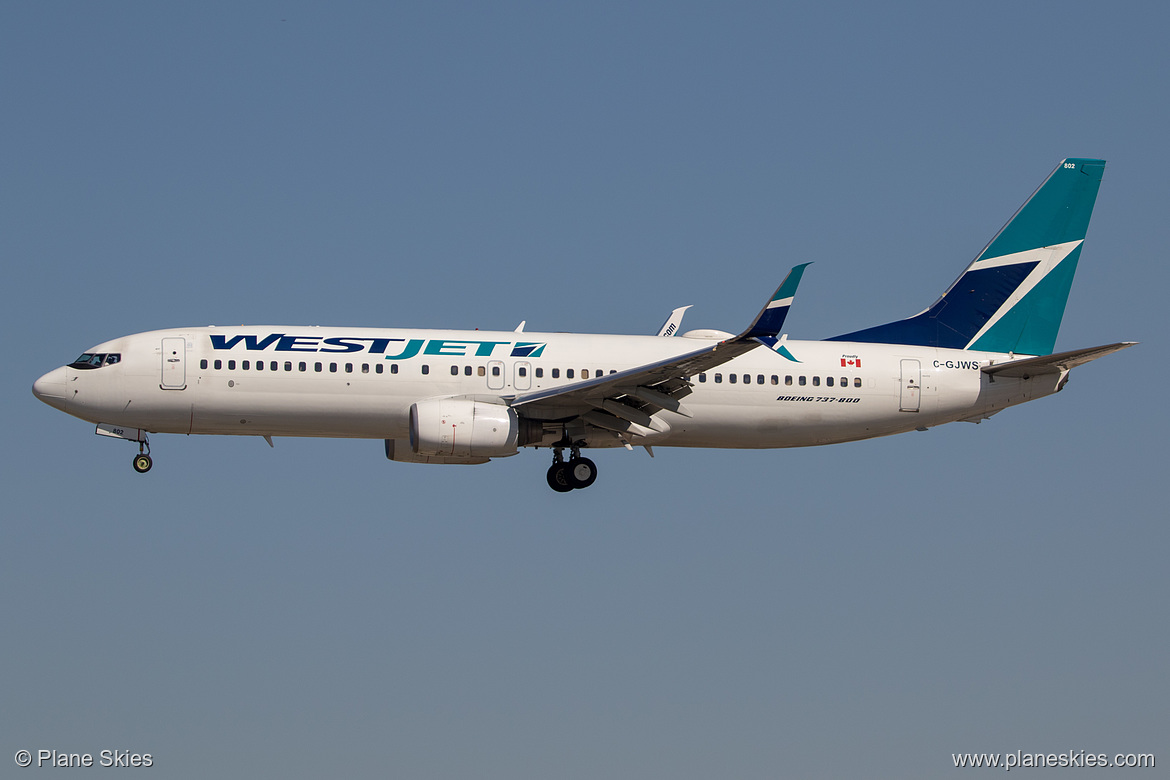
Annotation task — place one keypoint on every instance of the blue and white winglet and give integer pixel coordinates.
(770, 321)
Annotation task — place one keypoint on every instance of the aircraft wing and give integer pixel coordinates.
(625, 400)
(1053, 364)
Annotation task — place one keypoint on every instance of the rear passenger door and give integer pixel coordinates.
(911, 395)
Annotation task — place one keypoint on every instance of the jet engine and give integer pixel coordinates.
(465, 428)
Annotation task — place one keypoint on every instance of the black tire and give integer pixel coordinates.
(558, 477)
(142, 463)
(582, 472)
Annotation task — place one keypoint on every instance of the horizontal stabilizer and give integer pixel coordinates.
(1053, 364)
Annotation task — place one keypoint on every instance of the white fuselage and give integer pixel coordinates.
(361, 382)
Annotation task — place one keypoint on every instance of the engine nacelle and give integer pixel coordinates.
(399, 450)
(464, 428)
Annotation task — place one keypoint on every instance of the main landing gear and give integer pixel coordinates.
(576, 473)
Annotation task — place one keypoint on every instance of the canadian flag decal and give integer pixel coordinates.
(850, 361)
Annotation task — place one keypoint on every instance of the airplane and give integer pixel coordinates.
(467, 396)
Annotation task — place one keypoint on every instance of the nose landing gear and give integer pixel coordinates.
(142, 461)
(576, 473)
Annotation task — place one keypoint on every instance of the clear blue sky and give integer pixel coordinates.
(861, 610)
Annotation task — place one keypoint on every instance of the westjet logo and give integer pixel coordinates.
(392, 349)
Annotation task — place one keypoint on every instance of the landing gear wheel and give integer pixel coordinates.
(582, 472)
(142, 463)
(558, 477)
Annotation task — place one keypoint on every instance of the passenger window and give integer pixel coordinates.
(332, 368)
(747, 379)
(454, 370)
(718, 379)
(426, 369)
(584, 373)
(244, 365)
(857, 381)
(556, 373)
(495, 370)
(759, 379)
(303, 366)
(540, 373)
(274, 366)
(732, 378)
(802, 381)
(844, 381)
(702, 377)
(259, 365)
(231, 365)
(481, 371)
(816, 381)
(378, 368)
(467, 371)
(828, 381)
(288, 365)
(218, 365)
(568, 373)
(203, 363)
(393, 368)
(775, 379)
(522, 371)
(365, 368)
(349, 368)
(318, 367)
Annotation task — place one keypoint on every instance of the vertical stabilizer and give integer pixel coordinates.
(1012, 296)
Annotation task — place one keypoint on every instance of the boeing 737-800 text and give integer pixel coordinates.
(465, 397)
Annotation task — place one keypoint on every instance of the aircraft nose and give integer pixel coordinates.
(51, 388)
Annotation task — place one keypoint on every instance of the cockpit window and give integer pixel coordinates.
(89, 360)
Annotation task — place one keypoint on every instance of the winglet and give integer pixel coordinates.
(673, 322)
(766, 327)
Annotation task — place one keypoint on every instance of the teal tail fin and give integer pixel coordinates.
(1012, 296)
